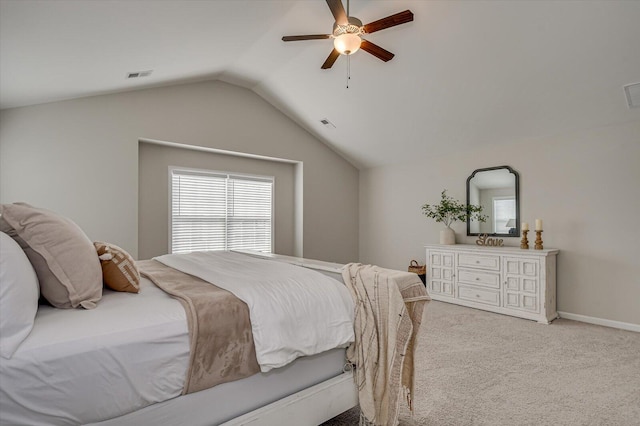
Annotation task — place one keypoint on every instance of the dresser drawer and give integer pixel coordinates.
(479, 261)
(477, 294)
(485, 279)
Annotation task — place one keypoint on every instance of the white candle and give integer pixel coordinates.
(525, 226)
(538, 224)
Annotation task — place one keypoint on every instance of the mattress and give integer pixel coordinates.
(80, 366)
(229, 400)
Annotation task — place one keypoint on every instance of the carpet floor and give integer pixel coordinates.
(480, 368)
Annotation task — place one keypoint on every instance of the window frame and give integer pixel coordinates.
(227, 175)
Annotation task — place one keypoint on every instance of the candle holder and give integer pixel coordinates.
(524, 243)
(538, 245)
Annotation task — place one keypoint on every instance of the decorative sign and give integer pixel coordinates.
(484, 240)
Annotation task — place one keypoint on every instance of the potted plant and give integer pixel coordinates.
(449, 211)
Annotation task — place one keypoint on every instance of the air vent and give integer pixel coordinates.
(327, 123)
(139, 74)
(632, 91)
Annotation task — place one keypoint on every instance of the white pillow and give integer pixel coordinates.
(19, 293)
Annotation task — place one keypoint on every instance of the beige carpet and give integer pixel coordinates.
(480, 368)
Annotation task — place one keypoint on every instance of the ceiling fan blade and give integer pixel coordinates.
(337, 9)
(306, 37)
(389, 21)
(331, 59)
(376, 51)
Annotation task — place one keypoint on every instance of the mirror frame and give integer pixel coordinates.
(517, 183)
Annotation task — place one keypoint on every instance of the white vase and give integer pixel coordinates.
(447, 236)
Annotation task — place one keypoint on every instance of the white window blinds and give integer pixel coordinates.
(219, 211)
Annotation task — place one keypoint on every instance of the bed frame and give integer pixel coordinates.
(309, 407)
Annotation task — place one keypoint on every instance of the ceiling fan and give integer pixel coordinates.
(348, 31)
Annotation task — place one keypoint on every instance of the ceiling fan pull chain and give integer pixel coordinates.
(348, 70)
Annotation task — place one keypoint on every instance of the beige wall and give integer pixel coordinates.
(80, 158)
(153, 205)
(585, 186)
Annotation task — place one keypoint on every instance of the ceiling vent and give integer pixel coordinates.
(138, 74)
(327, 123)
(632, 91)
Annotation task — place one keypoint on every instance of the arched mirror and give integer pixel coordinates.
(497, 190)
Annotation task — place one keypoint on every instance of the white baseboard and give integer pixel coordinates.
(600, 321)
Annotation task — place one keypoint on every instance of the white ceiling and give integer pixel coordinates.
(465, 74)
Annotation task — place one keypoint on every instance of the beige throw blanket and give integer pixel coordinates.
(389, 307)
(222, 348)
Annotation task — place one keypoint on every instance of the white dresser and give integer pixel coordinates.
(507, 280)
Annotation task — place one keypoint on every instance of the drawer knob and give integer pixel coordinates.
(477, 261)
(477, 278)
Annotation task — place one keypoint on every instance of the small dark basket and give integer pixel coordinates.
(417, 268)
(421, 270)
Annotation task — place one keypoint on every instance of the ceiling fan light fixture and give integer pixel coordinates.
(347, 44)
(348, 30)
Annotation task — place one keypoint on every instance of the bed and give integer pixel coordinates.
(121, 361)
(127, 361)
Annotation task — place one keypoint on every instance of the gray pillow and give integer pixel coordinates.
(64, 258)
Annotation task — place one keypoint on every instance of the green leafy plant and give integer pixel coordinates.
(450, 210)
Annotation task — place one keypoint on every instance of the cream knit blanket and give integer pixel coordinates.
(389, 307)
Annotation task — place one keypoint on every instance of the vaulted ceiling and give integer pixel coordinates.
(466, 73)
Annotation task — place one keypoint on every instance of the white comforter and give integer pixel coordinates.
(294, 311)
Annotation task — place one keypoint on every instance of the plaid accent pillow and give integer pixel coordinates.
(119, 270)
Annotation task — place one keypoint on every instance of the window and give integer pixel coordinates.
(220, 211)
(504, 208)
